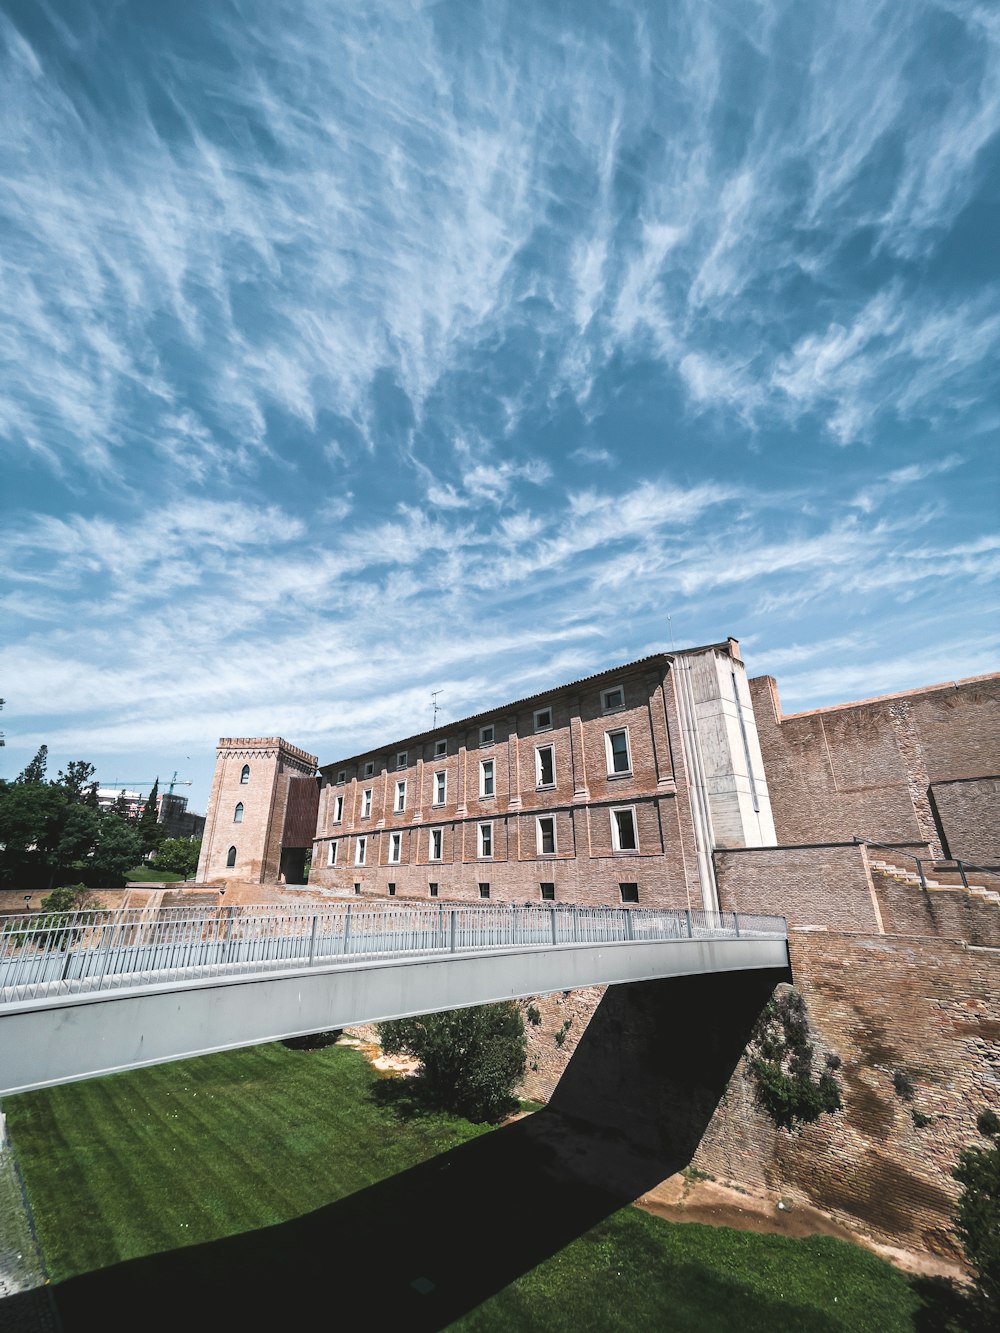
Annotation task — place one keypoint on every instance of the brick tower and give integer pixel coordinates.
(261, 789)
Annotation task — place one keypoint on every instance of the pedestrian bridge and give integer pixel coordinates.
(84, 994)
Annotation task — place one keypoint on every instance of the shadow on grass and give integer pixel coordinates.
(434, 1242)
(946, 1308)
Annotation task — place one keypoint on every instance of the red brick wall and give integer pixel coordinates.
(864, 769)
(969, 812)
(826, 885)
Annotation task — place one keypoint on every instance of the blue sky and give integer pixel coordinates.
(355, 352)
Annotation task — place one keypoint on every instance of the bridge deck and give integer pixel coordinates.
(95, 993)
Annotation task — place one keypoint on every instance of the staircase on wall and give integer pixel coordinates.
(945, 879)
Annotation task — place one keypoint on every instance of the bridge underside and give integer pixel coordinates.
(79, 1036)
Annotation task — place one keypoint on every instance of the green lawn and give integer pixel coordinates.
(240, 1188)
(150, 875)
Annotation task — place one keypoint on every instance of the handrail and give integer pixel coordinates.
(90, 951)
(961, 866)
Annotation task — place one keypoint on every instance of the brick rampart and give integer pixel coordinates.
(827, 885)
(969, 813)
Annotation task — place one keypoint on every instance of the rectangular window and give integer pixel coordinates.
(432, 889)
(548, 893)
(401, 759)
(629, 892)
(400, 805)
(331, 855)
(545, 766)
(360, 847)
(357, 887)
(436, 843)
(487, 735)
(338, 809)
(342, 775)
(485, 839)
(486, 781)
(543, 719)
(623, 835)
(484, 890)
(619, 756)
(395, 847)
(613, 699)
(366, 803)
(369, 768)
(440, 787)
(392, 890)
(546, 835)
(440, 748)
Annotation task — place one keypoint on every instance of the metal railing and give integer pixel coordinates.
(935, 862)
(53, 954)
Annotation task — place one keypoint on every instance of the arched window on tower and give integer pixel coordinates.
(238, 813)
(231, 858)
(245, 775)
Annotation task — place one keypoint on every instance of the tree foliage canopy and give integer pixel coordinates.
(178, 856)
(470, 1059)
(55, 830)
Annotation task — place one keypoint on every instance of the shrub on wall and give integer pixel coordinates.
(781, 1055)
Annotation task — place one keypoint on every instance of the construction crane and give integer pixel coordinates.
(174, 782)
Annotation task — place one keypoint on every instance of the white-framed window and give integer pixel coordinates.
(400, 805)
(618, 751)
(613, 699)
(238, 813)
(369, 767)
(338, 809)
(487, 779)
(545, 835)
(401, 759)
(395, 848)
(543, 719)
(435, 844)
(441, 748)
(485, 839)
(360, 850)
(624, 834)
(440, 787)
(545, 765)
(487, 735)
(331, 854)
(245, 775)
(366, 803)
(342, 775)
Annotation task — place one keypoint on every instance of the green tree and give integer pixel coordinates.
(151, 831)
(178, 856)
(78, 780)
(470, 1059)
(32, 822)
(35, 771)
(977, 1214)
(119, 850)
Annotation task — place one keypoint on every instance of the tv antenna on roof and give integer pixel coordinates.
(670, 631)
(435, 705)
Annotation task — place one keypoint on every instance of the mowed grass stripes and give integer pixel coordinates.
(144, 1162)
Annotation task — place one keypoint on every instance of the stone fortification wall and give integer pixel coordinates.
(865, 769)
(889, 1006)
(826, 885)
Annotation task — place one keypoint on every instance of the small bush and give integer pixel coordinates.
(534, 1017)
(561, 1034)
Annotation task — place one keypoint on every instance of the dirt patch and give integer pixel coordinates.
(680, 1199)
(403, 1066)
